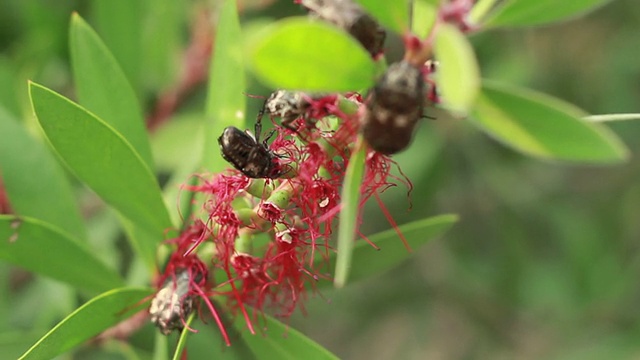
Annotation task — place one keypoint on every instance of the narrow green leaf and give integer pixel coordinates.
(97, 315)
(458, 73)
(393, 15)
(225, 98)
(538, 12)
(612, 117)
(424, 17)
(368, 261)
(297, 53)
(121, 24)
(182, 340)
(349, 213)
(103, 88)
(99, 156)
(44, 249)
(36, 184)
(281, 341)
(160, 346)
(163, 29)
(541, 126)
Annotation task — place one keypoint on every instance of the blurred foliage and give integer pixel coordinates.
(543, 264)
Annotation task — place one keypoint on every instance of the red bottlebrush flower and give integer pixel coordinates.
(185, 279)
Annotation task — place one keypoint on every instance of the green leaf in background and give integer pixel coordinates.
(297, 53)
(36, 184)
(612, 117)
(458, 73)
(42, 248)
(120, 24)
(541, 126)
(10, 88)
(100, 157)
(226, 101)
(14, 342)
(538, 12)
(368, 261)
(348, 219)
(163, 28)
(424, 17)
(393, 15)
(281, 342)
(103, 88)
(97, 315)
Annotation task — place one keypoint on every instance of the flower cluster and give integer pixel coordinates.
(264, 227)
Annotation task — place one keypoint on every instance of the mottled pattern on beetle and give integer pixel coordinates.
(288, 105)
(393, 108)
(171, 305)
(349, 16)
(242, 151)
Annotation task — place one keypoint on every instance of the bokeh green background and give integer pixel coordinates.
(543, 264)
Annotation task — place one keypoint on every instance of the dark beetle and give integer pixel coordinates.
(349, 16)
(393, 108)
(247, 154)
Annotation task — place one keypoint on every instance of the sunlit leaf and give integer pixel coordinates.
(88, 321)
(349, 213)
(458, 73)
(612, 117)
(103, 88)
(424, 17)
(537, 12)
(35, 183)
(310, 55)
(540, 126)
(40, 247)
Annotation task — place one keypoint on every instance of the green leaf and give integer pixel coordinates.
(297, 53)
(393, 15)
(35, 183)
(121, 24)
(182, 340)
(14, 342)
(103, 88)
(458, 73)
(541, 126)
(349, 213)
(424, 17)
(538, 12)
(97, 315)
(612, 117)
(281, 341)
(102, 158)
(44, 249)
(163, 28)
(368, 261)
(225, 98)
